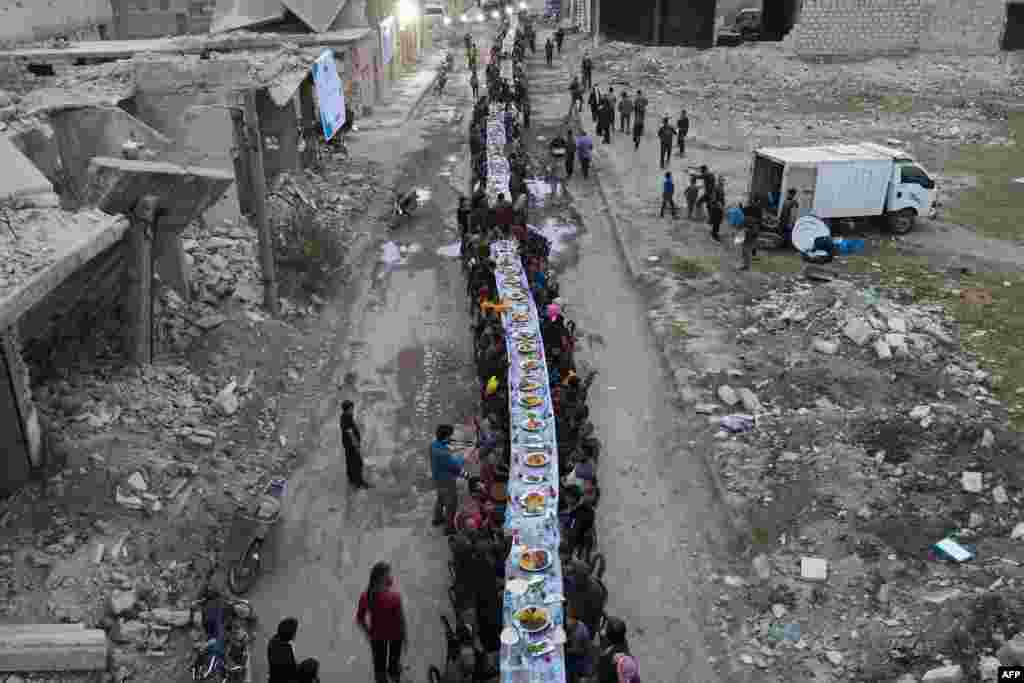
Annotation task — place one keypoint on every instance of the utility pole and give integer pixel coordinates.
(253, 155)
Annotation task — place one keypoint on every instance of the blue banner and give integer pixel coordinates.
(329, 93)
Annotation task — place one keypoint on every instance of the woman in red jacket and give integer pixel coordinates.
(385, 627)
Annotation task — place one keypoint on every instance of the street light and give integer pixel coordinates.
(508, 10)
(463, 18)
(447, 21)
(523, 5)
(407, 11)
(495, 15)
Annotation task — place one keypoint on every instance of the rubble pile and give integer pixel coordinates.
(741, 98)
(854, 436)
(314, 216)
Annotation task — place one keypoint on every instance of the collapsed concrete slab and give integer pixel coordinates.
(234, 14)
(52, 647)
(83, 134)
(20, 177)
(182, 193)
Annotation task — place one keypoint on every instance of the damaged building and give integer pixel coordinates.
(115, 147)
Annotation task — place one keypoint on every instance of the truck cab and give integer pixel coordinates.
(910, 195)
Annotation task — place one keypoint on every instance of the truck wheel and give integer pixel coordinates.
(902, 222)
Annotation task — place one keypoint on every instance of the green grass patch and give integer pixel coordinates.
(995, 205)
(689, 267)
(893, 104)
(680, 329)
(991, 331)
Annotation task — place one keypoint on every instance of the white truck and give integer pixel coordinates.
(845, 181)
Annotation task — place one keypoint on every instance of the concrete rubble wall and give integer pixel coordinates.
(31, 20)
(862, 27)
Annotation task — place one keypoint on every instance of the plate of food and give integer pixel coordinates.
(526, 335)
(530, 364)
(532, 619)
(539, 649)
(533, 503)
(517, 295)
(529, 386)
(537, 459)
(530, 401)
(534, 560)
(527, 348)
(533, 478)
(532, 424)
(520, 317)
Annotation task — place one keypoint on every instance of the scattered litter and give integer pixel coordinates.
(948, 549)
(814, 568)
(737, 424)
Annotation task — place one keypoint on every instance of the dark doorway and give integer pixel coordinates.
(691, 24)
(631, 22)
(14, 462)
(778, 18)
(1013, 35)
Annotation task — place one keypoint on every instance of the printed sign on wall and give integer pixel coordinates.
(329, 94)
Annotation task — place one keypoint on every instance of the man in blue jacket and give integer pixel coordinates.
(445, 467)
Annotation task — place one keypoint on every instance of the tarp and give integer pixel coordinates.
(233, 14)
(387, 40)
(317, 14)
(329, 94)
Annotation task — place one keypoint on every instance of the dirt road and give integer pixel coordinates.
(659, 524)
(406, 364)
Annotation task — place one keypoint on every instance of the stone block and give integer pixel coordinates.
(21, 178)
(44, 648)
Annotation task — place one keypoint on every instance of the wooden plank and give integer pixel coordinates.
(45, 650)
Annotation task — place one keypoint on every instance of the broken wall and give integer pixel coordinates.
(862, 27)
(32, 20)
(186, 100)
(157, 18)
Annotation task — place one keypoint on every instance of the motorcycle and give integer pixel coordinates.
(248, 532)
(223, 656)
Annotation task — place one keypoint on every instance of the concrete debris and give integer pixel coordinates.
(750, 402)
(858, 331)
(834, 657)
(1012, 652)
(988, 439)
(920, 412)
(762, 567)
(52, 648)
(971, 482)
(137, 482)
(1018, 532)
(122, 602)
(829, 348)
(882, 350)
(227, 400)
(988, 667)
(727, 395)
(944, 674)
(814, 569)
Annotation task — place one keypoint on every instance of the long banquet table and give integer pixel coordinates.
(529, 529)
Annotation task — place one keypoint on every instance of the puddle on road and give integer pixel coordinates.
(556, 233)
